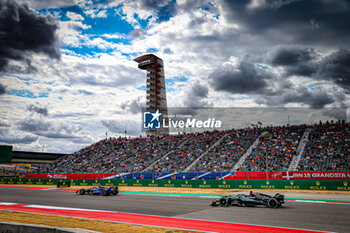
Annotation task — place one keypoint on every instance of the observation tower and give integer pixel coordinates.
(156, 92)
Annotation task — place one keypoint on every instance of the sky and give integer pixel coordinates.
(67, 75)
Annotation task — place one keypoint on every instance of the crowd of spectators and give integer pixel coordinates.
(328, 147)
(223, 156)
(116, 155)
(194, 145)
(278, 147)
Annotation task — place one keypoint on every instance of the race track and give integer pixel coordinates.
(314, 216)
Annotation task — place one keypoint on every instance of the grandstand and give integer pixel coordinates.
(324, 146)
(275, 150)
(327, 148)
(20, 163)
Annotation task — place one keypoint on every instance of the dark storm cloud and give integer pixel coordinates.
(49, 129)
(163, 9)
(243, 79)
(153, 4)
(291, 55)
(24, 32)
(299, 95)
(38, 109)
(196, 96)
(295, 59)
(277, 3)
(5, 138)
(3, 89)
(310, 22)
(40, 4)
(199, 90)
(336, 68)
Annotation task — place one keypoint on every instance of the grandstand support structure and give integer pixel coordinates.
(156, 92)
(296, 159)
(249, 150)
(204, 153)
(164, 156)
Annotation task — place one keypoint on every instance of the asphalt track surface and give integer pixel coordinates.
(303, 215)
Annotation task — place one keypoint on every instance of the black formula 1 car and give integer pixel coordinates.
(99, 190)
(251, 199)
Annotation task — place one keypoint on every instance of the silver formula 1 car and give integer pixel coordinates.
(251, 199)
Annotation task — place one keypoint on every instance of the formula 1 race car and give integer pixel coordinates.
(99, 190)
(251, 199)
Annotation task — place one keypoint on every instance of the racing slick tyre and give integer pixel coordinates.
(214, 203)
(115, 191)
(82, 191)
(273, 203)
(105, 193)
(224, 202)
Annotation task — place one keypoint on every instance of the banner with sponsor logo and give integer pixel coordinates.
(292, 175)
(260, 175)
(224, 184)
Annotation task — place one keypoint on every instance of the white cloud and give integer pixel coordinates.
(74, 16)
(96, 13)
(69, 32)
(113, 36)
(102, 14)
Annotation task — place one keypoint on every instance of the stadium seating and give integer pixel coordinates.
(327, 148)
(224, 155)
(183, 156)
(277, 147)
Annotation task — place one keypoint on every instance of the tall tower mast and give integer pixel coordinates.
(156, 92)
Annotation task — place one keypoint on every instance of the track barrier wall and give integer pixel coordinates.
(222, 184)
(241, 175)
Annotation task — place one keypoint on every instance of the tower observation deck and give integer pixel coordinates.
(155, 82)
